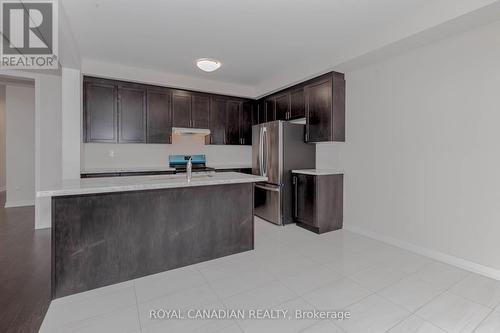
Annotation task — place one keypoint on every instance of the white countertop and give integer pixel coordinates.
(318, 172)
(127, 169)
(137, 183)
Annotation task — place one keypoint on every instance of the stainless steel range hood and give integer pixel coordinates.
(190, 131)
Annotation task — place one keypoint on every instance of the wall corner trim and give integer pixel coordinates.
(436, 255)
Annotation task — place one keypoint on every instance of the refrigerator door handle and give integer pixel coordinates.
(265, 150)
(261, 151)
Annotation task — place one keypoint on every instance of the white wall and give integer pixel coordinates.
(97, 155)
(20, 146)
(2, 139)
(48, 143)
(422, 155)
(71, 90)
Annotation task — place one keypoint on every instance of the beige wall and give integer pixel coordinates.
(98, 155)
(422, 154)
(20, 146)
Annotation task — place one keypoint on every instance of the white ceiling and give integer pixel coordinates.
(264, 44)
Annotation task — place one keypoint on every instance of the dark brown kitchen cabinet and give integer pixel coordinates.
(158, 116)
(325, 109)
(181, 108)
(261, 111)
(217, 121)
(320, 100)
(297, 103)
(247, 116)
(318, 201)
(233, 122)
(124, 112)
(282, 106)
(200, 110)
(270, 105)
(131, 114)
(100, 111)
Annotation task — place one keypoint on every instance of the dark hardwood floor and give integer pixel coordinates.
(24, 270)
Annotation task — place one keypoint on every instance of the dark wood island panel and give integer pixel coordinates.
(103, 239)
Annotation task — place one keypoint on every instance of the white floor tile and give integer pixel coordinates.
(441, 275)
(290, 325)
(294, 269)
(165, 283)
(310, 279)
(121, 321)
(374, 314)
(491, 324)
(228, 267)
(454, 313)
(348, 263)
(337, 295)
(411, 293)
(200, 297)
(479, 289)
(62, 312)
(265, 296)
(415, 324)
(233, 285)
(324, 326)
(377, 278)
(288, 265)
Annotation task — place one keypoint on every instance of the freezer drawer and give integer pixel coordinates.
(268, 202)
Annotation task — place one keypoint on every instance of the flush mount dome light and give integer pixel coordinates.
(208, 65)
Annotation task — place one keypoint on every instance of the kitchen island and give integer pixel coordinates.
(109, 230)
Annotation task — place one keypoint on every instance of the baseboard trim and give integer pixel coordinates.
(20, 203)
(436, 255)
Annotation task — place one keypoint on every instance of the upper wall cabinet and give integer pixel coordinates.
(131, 113)
(217, 121)
(158, 117)
(190, 109)
(181, 108)
(100, 111)
(200, 110)
(321, 101)
(121, 112)
(325, 108)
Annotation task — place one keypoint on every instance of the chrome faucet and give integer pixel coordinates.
(189, 169)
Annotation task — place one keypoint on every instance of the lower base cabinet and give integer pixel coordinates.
(318, 201)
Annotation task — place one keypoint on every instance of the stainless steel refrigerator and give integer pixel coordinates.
(278, 147)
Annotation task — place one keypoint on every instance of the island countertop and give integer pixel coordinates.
(138, 183)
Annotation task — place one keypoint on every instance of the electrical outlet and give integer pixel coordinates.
(111, 153)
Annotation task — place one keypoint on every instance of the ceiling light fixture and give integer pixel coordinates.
(208, 65)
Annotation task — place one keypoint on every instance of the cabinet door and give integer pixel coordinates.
(270, 109)
(200, 111)
(217, 121)
(282, 107)
(100, 110)
(261, 106)
(304, 198)
(319, 111)
(132, 114)
(233, 122)
(246, 123)
(297, 103)
(158, 118)
(181, 109)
